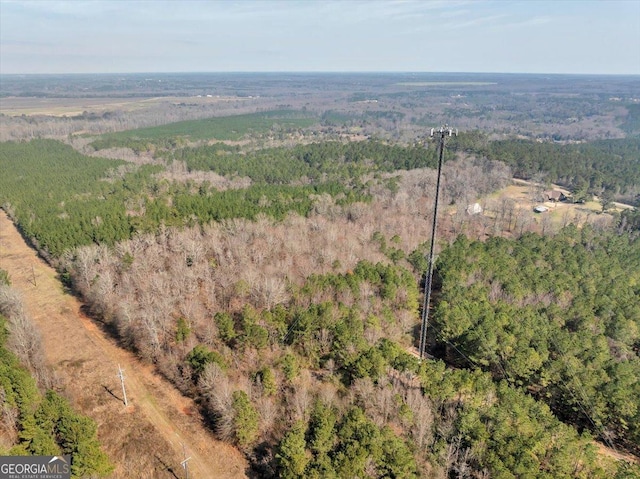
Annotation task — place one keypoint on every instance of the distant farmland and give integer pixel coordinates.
(447, 83)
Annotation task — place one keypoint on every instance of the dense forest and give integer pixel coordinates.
(224, 128)
(313, 163)
(62, 199)
(287, 302)
(558, 316)
(632, 122)
(47, 189)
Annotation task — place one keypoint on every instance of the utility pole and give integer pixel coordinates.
(440, 133)
(185, 462)
(124, 392)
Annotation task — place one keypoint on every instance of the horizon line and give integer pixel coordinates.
(307, 72)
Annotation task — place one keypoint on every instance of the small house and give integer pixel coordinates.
(474, 209)
(554, 195)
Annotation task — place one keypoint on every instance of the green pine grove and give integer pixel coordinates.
(47, 425)
(558, 316)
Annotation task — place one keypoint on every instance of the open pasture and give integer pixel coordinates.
(69, 107)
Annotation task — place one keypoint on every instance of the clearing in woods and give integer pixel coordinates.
(144, 440)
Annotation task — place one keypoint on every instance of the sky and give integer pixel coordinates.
(119, 36)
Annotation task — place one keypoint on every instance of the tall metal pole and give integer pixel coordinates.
(442, 132)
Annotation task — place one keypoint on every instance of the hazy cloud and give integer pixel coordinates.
(305, 35)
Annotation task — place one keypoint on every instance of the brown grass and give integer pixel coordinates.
(15, 106)
(520, 190)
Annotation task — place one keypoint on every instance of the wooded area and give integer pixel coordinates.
(557, 316)
(286, 297)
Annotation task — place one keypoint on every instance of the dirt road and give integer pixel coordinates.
(149, 438)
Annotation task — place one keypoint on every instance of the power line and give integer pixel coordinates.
(583, 393)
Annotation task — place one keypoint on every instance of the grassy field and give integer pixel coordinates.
(50, 106)
(520, 193)
(16, 106)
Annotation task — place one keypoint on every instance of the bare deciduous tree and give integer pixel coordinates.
(24, 339)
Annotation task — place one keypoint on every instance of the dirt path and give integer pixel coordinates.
(144, 440)
(617, 455)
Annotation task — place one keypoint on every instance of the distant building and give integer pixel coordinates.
(540, 209)
(474, 209)
(554, 195)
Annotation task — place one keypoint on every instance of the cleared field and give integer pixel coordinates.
(447, 83)
(521, 192)
(16, 106)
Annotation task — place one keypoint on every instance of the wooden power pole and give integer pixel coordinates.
(124, 391)
(185, 462)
